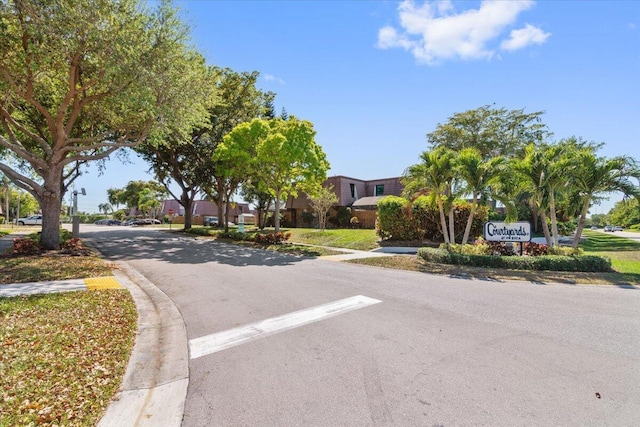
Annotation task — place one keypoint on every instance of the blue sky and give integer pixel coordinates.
(376, 76)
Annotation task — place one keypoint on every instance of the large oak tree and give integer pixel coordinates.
(79, 81)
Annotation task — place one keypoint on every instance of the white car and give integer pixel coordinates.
(30, 220)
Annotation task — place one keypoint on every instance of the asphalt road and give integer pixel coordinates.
(434, 351)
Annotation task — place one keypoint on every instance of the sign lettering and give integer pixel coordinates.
(507, 231)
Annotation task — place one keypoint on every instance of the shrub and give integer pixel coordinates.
(478, 248)
(235, 235)
(342, 217)
(74, 246)
(25, 246)
(586, 263)
(565, 251)
(501, 249)
(272, 238)
(427, 218)
(395, 220)
(65, 235)
(534, 249)
(199, 231)
(308, 217)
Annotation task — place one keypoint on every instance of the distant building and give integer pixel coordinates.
(201, 208)
(358, 194)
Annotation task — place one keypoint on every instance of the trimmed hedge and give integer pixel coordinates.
(585, 263)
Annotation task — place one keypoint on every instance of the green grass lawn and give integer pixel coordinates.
(358, 239)
(624, 253)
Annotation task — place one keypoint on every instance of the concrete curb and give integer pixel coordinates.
(154, 388)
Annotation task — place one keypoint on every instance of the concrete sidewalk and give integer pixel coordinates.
(49, 287)
(350, 254)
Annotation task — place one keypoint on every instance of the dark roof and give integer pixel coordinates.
(367, 201)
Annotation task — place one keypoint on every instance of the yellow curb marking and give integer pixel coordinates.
(96, 283)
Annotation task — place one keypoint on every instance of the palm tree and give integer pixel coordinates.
(436, 174)
(532, 170)
(596, 176)
(558, 170)
(479, 176)
(104, 207)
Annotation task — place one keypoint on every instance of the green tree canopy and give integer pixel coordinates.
(281, 157)
(491, 131)
(130, 195)
(80, 80)
(435, 174)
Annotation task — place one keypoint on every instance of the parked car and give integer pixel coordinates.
(108, 222)
(594, 227)
(30, 220)
(617, 228)
(608, 228)
(211, 221)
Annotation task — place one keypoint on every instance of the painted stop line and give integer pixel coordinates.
(219, 341)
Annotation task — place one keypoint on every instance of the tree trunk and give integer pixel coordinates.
(260, 225)
(443, 221)
(583, 216)
(534, 211)
(227, 210)
(187, 203)
(220, 202)
(452, 225)
(51, 203)
(467, 229)
(545, 228)
(554, 220)
(276, 220)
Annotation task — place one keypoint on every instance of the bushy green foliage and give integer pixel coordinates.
(565, 251)
(480, 247)
(587, 263)
(201, 231)
(341, 217)
(395, 220)
(427, 216)
(235, 235)
(398, 219)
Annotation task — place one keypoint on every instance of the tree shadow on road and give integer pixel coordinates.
(182, 249)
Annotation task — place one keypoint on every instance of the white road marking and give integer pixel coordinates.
(219, 341)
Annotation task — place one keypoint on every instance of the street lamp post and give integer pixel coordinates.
(75, 227)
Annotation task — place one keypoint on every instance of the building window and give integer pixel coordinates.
(354, 191)
(379, 189)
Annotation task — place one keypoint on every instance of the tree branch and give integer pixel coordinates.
(21, 181)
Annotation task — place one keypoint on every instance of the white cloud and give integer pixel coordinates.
(524, 37)
(435, 31)
(272, 78)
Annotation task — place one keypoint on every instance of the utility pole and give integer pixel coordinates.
(75, 227)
